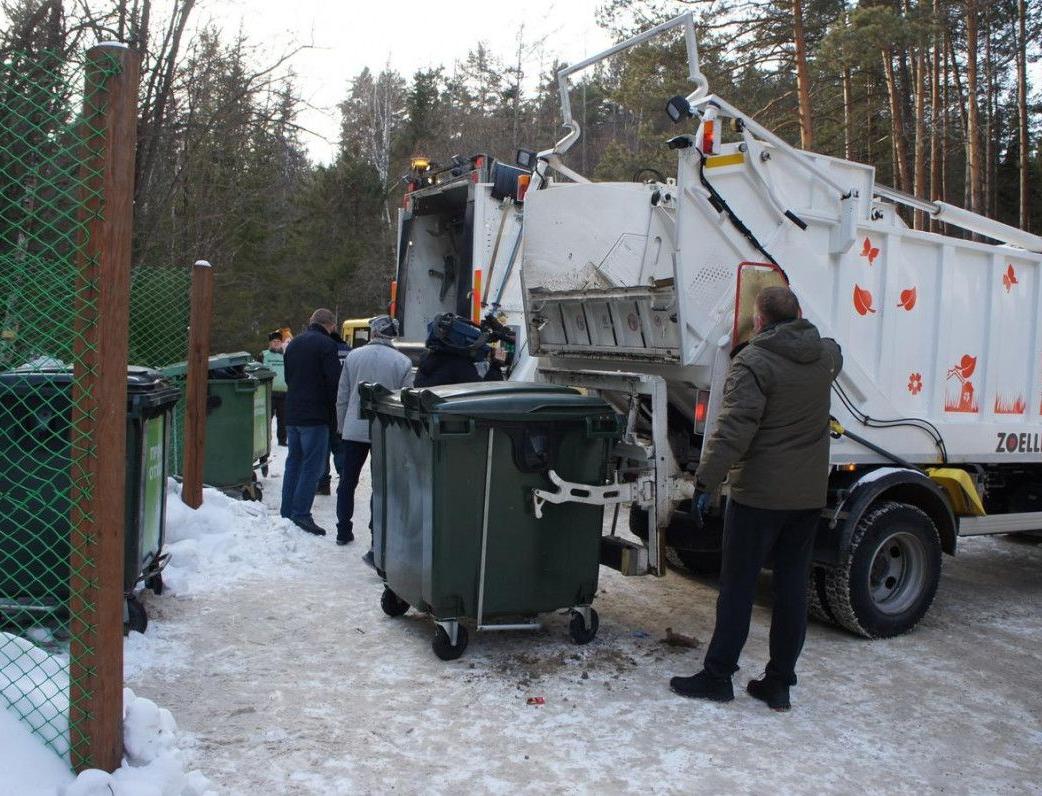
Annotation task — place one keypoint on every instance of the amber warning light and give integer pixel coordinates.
(701, 410)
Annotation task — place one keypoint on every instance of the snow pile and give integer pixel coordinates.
(34, 686)
(153, 765)
(223, 540)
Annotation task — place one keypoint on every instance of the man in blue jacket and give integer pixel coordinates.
(312, 374)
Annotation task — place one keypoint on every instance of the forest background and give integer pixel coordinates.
(936, 94)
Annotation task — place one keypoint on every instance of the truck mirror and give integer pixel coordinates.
(678, 109)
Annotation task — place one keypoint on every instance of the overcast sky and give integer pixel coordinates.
(407, 34)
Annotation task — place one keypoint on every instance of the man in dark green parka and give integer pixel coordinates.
(771, 443)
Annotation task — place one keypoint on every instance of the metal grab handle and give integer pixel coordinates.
(686, 20)
(590, 494)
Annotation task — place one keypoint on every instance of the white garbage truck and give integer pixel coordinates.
(642, 291)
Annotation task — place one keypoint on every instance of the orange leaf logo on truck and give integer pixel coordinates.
(907, 299)
(869, 251)
(1009, 279)
(862, 301)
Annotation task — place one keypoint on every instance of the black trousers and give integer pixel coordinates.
(351, 456)
(751, 536)
(278, 408)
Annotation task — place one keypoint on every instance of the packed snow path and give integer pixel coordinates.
(290, 679)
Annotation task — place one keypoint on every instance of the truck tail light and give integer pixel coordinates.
(701, 410)
(708, 137)
(523, 182)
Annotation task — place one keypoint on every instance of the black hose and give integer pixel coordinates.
(721, 206)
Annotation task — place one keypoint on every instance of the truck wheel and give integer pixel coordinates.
(443, 646)
(891, 573)
(700, 562)
(392, 604)
(817, 596)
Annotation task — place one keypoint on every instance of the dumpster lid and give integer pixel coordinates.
(217, 362)
(504, 400)
(260, 370)
(59, 374)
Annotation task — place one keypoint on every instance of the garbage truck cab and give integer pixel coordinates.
(459, 236)
(643, 291)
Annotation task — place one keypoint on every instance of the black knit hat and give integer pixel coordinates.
(276, 335)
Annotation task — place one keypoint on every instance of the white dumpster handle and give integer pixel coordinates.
(686, 20)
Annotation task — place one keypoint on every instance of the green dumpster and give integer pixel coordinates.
(455, 530)
(261, 413)
(34, 488)
(231, 408)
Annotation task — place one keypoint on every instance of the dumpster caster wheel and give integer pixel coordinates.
(137, 618)
(580, 631)
(443, 647)
(392, 604)
(264, 470)
(155, 584)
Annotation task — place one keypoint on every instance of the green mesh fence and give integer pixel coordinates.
(160, 304)
(49, 195)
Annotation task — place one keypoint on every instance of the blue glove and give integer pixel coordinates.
(701, 504)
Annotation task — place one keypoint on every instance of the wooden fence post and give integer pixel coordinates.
(99, 408)
(196, 384)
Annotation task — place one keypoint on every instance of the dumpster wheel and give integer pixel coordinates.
(442, 644)
(155, 583)
(137, 617)
(580, 632)
(392, 604)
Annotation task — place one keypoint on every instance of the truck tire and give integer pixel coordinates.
(699, 562)
(817, 596)
(891, 572)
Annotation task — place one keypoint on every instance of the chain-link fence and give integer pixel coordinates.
(160, 305)
(55, 195)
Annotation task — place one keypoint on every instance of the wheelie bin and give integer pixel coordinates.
(231, 405)
(35, 459)
(455, 528)
(261, 413)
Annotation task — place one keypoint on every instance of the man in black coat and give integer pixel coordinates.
(444, 367)
(312, 376)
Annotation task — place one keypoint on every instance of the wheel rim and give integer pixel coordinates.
(898, 573)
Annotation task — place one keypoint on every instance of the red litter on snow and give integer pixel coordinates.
(536, 701)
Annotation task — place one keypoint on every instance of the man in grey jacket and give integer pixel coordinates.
(378, 362)
(771, 442)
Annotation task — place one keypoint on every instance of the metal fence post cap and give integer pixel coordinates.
(202, 264)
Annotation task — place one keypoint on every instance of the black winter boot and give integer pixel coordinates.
(770, 690)
(703, 686)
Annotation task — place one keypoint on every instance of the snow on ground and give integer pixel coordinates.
(270, 648)
(286, 677)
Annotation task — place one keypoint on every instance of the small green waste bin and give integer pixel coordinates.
(231, 409)
(455, 529)
(261, 413)
(35, 409)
